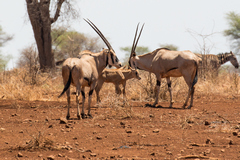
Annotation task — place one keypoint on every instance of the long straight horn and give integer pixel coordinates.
(134, 46)
(99, 33)
(138, 37)
(134, 41)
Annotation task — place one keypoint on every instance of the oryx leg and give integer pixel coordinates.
(83, 102)
(124, 92)
(68, 100)
(185, 104)
(77, 99)
(117, 89)
(188, 80)
(157, 91)
(191, 102)
(92, 87)
(97, 89)
(170, 91)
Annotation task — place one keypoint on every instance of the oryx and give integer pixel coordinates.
(165, 64)
(84, 71)
(117, 77)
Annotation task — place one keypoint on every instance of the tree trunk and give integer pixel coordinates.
(41, 23)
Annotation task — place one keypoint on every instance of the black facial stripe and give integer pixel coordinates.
(158, 83)
(107, 61)
(112, 58)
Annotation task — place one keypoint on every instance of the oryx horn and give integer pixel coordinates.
(99, 33)
(134, 46)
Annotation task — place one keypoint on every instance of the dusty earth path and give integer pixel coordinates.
(38, 130)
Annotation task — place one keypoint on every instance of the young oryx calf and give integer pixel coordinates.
(83, 72)
(165, 64)
(117, 77)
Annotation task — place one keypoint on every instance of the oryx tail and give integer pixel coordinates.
(196, 76)
(68, 82)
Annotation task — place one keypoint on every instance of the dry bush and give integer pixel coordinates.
(15, 87)
(49, 85)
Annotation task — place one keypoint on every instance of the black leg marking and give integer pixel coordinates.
(169, 85)
(83, 94)
(90, 92)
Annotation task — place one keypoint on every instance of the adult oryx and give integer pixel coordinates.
(165, 64)
(84, 71)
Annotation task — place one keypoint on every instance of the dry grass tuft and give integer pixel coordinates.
(18, 84)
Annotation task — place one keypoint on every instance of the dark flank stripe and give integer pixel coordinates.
(172, 69)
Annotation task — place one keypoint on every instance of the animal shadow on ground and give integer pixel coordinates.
(159, 106)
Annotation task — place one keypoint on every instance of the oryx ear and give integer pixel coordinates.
(231, 52)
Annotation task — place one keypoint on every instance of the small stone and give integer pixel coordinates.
(206, 123)
(144, 136)
(63, 120)
(209, 141)
(128, 131)
(190, 120)
(238, 135)
(60, 155)
(120, 156)
(2, 129)
(93, 154)
(99, 138)
(235, 133)
(152, 154)
(122, 123)
(20, 154)
(151, 115)
(156, 131)
(208, 151)
(51, 157)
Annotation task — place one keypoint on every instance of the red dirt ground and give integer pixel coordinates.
(210, 130)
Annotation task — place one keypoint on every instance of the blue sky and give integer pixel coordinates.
(166, 22)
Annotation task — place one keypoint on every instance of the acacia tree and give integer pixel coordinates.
(169, 46)
(69, 43)
(39, 12)
(139, 50)
(234, 29)
(3, 39)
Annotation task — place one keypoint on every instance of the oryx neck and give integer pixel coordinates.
(144, 61)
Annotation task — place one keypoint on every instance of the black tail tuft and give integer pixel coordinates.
(68, 83)
(196, 76)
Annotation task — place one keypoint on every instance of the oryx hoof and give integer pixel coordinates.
(83, 115)
(184, 106)
(79, 117)
(67, 117)
(189, 107)
(90, 116)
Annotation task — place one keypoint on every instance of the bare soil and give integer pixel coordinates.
(37, 130)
